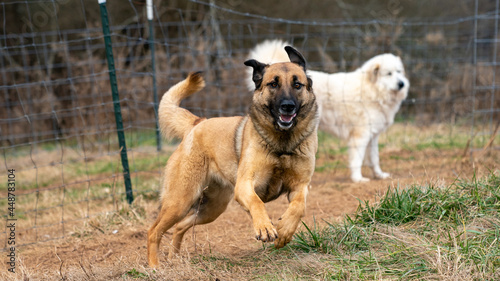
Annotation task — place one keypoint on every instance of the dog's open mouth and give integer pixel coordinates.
(286, 121)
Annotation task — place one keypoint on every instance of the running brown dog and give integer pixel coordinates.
(256, 158)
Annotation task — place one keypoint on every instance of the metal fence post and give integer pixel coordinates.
(149, 6)
(116, 101)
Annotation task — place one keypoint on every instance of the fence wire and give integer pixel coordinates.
(57, 128)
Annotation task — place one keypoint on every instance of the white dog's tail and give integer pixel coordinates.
(268, 52)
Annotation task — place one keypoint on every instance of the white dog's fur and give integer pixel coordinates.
(356, 106)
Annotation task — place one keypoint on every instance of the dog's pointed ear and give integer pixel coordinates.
(258, 71)
(309, 84)
(296, 57)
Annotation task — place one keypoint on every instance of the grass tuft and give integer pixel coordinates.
(134, 273)
(421, 232)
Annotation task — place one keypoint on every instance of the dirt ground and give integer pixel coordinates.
(109, 254)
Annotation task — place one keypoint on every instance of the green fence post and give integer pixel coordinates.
(149, 7)
(116, 101)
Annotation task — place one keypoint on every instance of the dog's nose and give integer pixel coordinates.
(401, 84)
(287, 106)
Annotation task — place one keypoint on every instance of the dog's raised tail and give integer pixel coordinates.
(174, 120)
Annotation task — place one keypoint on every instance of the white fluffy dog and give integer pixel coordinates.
(356, 106)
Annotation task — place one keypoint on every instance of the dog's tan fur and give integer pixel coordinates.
(249, 157)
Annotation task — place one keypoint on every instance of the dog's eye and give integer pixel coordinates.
(273, 84)
(389, 73)
(297, 86)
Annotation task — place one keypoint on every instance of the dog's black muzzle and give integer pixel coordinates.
(287, 112)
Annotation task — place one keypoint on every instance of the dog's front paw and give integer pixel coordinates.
(265, 232)
(382, 175)
(286, 228)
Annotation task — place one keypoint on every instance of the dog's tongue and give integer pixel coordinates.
(287, 118)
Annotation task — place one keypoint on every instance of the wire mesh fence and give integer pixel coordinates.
(57, 126)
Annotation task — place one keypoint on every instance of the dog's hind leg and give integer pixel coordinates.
(208, 207)
(168, 217)
(373, 159)
(181, 192)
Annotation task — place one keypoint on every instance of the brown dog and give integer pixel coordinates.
(255, 158)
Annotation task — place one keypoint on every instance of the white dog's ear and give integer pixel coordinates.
(373, 73)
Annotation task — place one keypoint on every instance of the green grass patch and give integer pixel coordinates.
(330, 166)
(419, 232)
(329, 144)
(134, 273)
(398, 157)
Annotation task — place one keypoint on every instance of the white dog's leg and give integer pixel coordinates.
(373, 159)
(357, 149)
